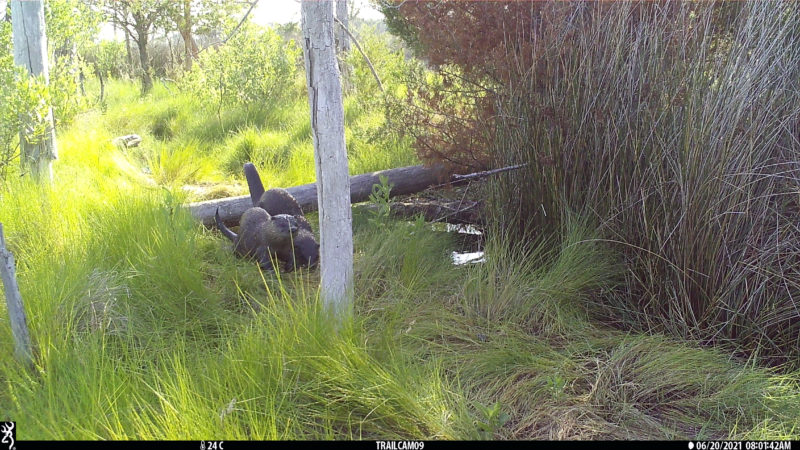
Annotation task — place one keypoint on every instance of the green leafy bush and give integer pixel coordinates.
(107, 58)
(71, 24)
(254, 70)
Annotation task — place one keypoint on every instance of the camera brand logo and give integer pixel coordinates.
(9, 433)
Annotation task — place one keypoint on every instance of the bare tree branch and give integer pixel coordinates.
(366, 58)
(252, 6)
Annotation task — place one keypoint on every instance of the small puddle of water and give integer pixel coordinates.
(469, 243)
(460, 258)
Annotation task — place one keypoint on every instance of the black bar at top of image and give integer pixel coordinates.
(390, 444)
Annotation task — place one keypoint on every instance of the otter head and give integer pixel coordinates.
(308, 252)
(285, 224)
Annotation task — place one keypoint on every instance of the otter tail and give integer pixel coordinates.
(253, 183)
(225, 230)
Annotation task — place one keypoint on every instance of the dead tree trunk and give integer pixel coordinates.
(330, 155)
(404, 180)
(30, 51)
(16, 312)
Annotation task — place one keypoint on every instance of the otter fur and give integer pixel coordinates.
(275, 200)
(261, 235)
(280, 201)
(306, 249)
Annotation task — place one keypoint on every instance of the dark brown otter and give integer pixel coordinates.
(280, 201)
(261, 236)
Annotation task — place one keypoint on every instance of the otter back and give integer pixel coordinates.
(279, 201)
(261, 235)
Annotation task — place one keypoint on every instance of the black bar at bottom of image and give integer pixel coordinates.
(390, 444)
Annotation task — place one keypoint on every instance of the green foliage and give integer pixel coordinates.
(147, 327)
(65, 97)
(24, 101)
(380, 198)
(492, 418)
(378, 127)
(388, 59)
(207, 16)
(176, 166)
(269, 149)
(254, 70)
(71, 25)
(106, 57)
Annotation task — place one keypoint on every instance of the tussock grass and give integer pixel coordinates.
(682, 150)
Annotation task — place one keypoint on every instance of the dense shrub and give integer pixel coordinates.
(107, 57)
(24, 99)
(672, 125)
(254, 69)
(71, 24)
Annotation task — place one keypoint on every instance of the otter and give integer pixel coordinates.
(306, 249)
(261, 235)
(280, 201)
(275, 200)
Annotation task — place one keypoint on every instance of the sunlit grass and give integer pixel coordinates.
(178, 134)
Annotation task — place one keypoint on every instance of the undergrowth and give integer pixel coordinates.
(146, 327)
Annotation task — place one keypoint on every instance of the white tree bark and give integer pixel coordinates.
(3, 5)
(30, 51)
(330, 154)
(343, 45)
(16, 312)
(342, 38)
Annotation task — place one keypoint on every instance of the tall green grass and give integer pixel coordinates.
(147, 327)
(673, 127)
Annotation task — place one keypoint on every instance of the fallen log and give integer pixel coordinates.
(405, 180)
